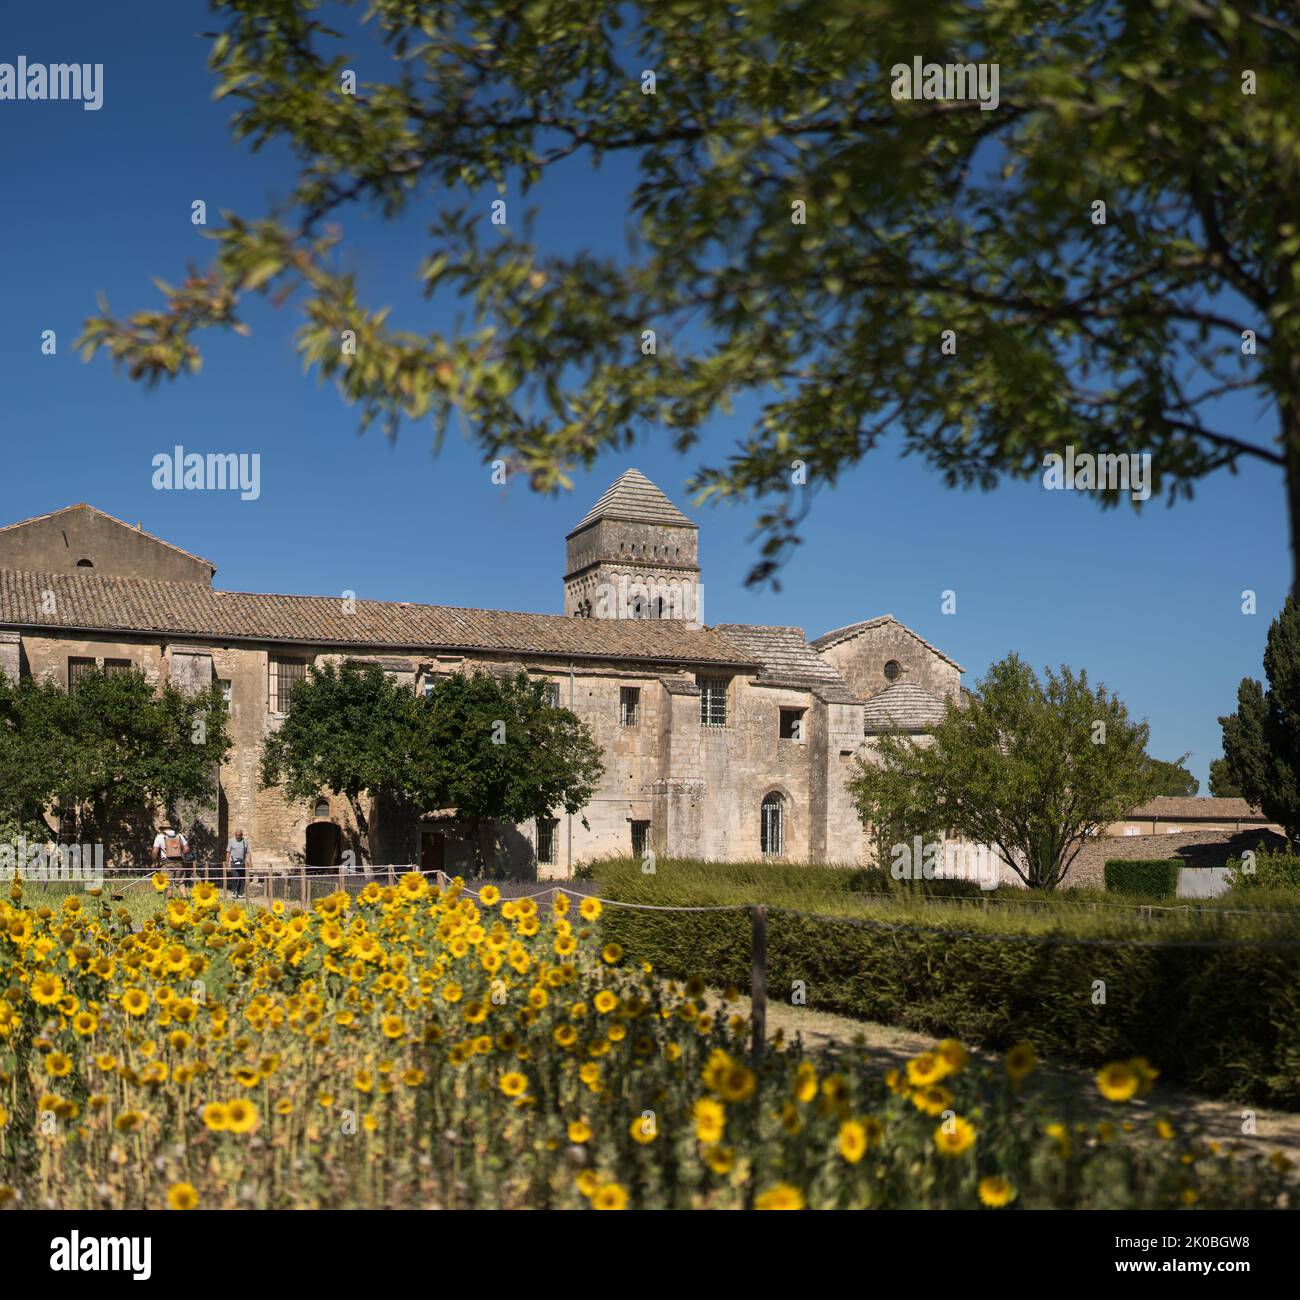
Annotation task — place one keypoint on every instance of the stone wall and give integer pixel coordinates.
(861, 661)
(65, 541)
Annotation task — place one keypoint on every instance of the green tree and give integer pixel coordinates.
(109, 756)
(1261, 740)
(1027, 768)
(803, 237)
(1222, 785)
(355, 732)
(491, 748)
(506, 755)
(1173, 778)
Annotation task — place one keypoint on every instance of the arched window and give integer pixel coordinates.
(772, 829)
(85, 564)
(322, 810)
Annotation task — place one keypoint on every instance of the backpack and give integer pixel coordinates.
(173, 847)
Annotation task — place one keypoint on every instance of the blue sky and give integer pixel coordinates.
(98, 202)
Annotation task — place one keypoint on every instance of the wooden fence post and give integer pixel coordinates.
(758, 979)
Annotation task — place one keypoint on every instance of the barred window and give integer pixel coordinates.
(551, 690)
(546, 839)
(227, 690)
(114, 666)
(713, 701)
(285, 674)
(77, 669)
(629, 706)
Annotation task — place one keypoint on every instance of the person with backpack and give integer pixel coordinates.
(170, 852)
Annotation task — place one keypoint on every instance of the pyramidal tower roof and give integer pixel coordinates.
(632, 496)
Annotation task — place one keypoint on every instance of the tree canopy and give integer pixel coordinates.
(1261, 740)
(1173, 778)
(1114, 246)
(490, 747)
(108, 756)
(1027, 768)
(1222, 784)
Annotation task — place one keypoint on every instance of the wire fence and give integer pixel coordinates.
(303, 886)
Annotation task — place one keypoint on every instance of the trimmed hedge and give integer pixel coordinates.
(1223, 1021)
(1149, 876)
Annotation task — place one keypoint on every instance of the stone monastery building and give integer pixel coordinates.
(728, 742)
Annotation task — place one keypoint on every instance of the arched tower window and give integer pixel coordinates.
(85, 564)
(772, 828)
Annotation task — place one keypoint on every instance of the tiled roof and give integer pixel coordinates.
(103, 514)
(788, 660)
(828, 639)
(633, 496)
(193, 610)
(905, 706)
(1198, 808)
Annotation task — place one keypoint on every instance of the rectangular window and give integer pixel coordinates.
(713, 701)
(791, 724)
(551, 690)
(77, 669)
(629, 706)
(113, 666)
(640, 839)
(227, 690)
(546, 840)
(285, 674)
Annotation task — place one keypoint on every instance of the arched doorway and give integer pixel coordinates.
(324, 847)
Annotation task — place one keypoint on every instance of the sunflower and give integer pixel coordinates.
(241, 1116)
(720, 1159)
(1021, 1061)
(612, 953)
(605, 1001)
(135, 1002)
(1117, 1081)
(926, 1069)
(128, 1121)
(853, 1141)
(216, 1117)
(489, 895)
(161, 881)
(589, 909)
(46, 990)
(513, 1084)
(609, 1196)
(392, 1027)
(182, 1196)
(953, 1137)
(643, 1128)
(579, 1131)
(932, 1101)
(805, 1082)
(996, 1191)
(84, 1024)
(58, 1065)
(783, 1196)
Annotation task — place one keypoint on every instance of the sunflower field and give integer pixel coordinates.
(416, 1047)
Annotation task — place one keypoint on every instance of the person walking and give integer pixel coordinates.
(239, 858)
(170, 850)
